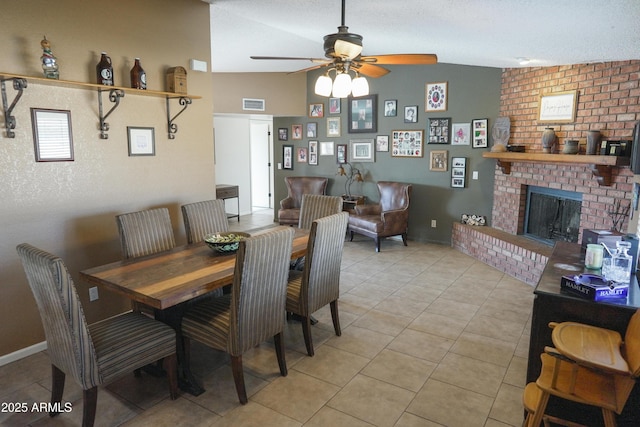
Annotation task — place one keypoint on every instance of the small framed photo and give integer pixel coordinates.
(287, 157)
(316, 110)
(313, 153)
(341, 153)
(407, 143)
(438, 160)
(296, 131)
(334, 105)
(461, 134)
(363, 114)
(333, 127)
(479, 128)
(458, 162)
(458, 171)
(411, 114)
(141, 141)
(283, 134)
(302, 155)
(52, 136)
(436, 97)
(361, 150)
(382, 143)
(326, 148)
(457, 182)
(312, 130)
(439, 130)
(390, 107)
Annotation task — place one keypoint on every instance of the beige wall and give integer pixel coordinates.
(68, 208)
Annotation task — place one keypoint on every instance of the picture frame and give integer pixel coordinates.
(296, 131)
(361, 150)
(390, 107)
(141, 141)
(458, 171)
(558, 107)
(480, 133)
(457, 182)
(302, 154)
(287, 157)
(363, 114)
(283, 134)
(313, 153)
(334, 105)
(436, 96)
(439, 130)
(326, 148)
(382, 143)
(333, 127)
(341, 153)
(459, 162)
(312, 130)
(411, 114)
(461, 134)
(438, 160)
(52, 135)
(316, 110)
(407, 143)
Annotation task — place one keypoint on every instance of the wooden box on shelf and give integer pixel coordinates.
(177, 80)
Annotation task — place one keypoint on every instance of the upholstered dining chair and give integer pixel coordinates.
(297, 186)
(202, 218)
(390, 217)
(94, 354)
(316, 206)
(319, 283)
(145, 232)
(253, 311)
(588, 365)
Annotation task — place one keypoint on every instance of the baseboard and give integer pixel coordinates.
(22, 353)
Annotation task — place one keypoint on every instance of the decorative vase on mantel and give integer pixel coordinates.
(549, 141)
(594, 138)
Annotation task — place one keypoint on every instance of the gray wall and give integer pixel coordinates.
(474, 93)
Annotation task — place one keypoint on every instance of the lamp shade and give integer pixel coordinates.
(342, 85)
(323, 85)
(360, 86)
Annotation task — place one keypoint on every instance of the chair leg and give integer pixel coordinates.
(57, 388)
(306, 332)
(282, 362)
(170, 365)
(351, 235)
(238, 378)
(539, 412)
(377, 244)
(404, 238)
(90, 401)
(334, 317)
(609, 418)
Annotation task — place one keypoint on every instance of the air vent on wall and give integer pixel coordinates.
(253, 104)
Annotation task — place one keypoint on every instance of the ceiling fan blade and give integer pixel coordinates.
(315, 67)
(289, 58)
(370, 70)
(346, 50)
(402, 59)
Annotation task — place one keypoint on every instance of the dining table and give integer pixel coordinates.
(168, 280)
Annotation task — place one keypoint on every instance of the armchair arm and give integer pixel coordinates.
(287, 203)
(368, 209)
(395, 220)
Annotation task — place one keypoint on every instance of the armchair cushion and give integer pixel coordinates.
(297, 186)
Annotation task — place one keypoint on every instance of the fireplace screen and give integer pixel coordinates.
(552, 215)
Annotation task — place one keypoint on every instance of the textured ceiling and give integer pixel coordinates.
(491, 33)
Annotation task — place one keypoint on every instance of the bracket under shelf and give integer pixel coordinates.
(171, 126)
(19, 84)
(114, 96)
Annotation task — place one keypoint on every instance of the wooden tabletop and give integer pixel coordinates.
(172, 277)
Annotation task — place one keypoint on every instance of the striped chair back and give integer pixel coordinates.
(69, 343)
(259, 290)
(321, 275)
(202, 218)
(316, 206)
(145, 232)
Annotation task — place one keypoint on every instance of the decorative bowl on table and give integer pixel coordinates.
(225, 243)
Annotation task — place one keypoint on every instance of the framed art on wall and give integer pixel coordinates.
(52, 136)
(313, 152)
(287, 157)
(316, 110)
(361, 150)
(436, 97)
(333, 127)
(458, 171)
(362, 114)
(461, 134)
(406, 143)
(341, 153)
(438, 160)
(326, 148)
(479, 128)
(141, 141)
(312, 130)
(283, 134)
(411, 114)
(390, 108)
(296, 131)
(439, 130)
(558, 107)
(382, 143)
(334, 105)
(302, 155)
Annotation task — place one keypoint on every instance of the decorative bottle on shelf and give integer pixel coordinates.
(104, 70)
(49, 65)
(618, 266)
(549, 141)
(594, 137)
(138, 76)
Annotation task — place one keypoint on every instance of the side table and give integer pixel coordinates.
(224, 192)
(350, 202)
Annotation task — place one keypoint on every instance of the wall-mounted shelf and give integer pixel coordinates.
(115, 94)
(600, 165)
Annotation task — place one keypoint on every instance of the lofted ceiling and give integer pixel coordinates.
(491, 33)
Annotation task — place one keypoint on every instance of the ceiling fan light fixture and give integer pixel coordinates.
(342, 85)
(359, 86)
(323, 85)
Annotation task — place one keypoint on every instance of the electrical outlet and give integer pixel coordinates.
(93, 293)
(474, 175)
(433, 223)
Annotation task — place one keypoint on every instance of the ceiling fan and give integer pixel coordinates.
(343, 54)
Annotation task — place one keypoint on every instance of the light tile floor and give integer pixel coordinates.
(430, 337)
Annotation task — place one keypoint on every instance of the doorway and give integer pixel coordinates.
(261, 161)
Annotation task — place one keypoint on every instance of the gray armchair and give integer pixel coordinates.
(297, 186)
(388, 218)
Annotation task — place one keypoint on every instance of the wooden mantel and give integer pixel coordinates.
(600, 165)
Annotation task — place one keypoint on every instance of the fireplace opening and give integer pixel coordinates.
(552, 215)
